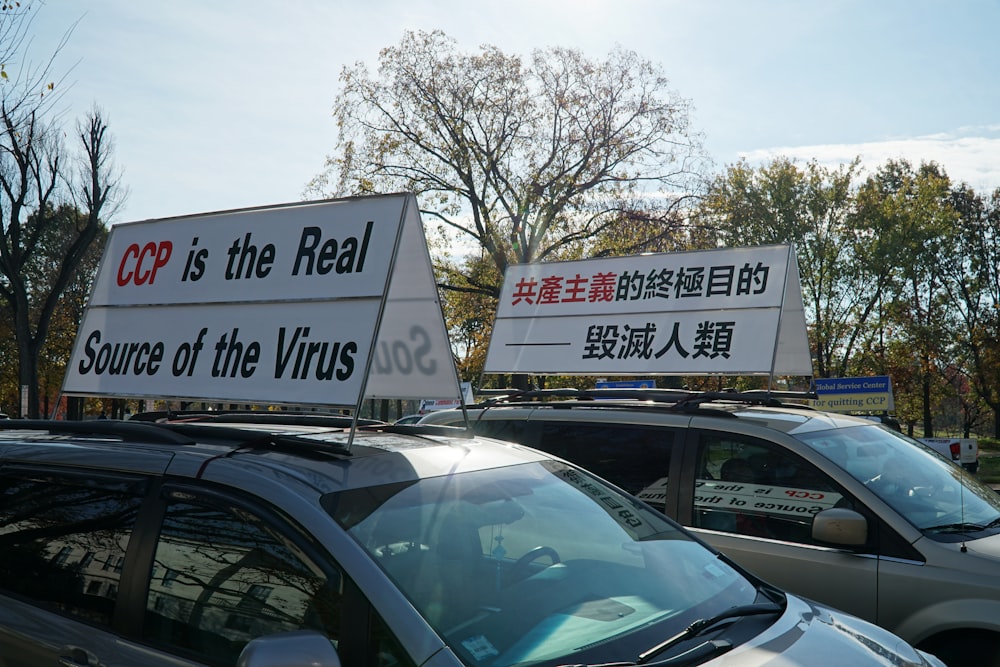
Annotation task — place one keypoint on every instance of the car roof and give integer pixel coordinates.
(786, 412)
(797, 419)
(324, 456)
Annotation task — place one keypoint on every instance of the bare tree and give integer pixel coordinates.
(527, 161)
(39, 178)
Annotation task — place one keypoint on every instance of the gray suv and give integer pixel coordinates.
(275, 540)
(834, 508)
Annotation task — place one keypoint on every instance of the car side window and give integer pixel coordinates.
(758, 489)
(511, 430)
(224, 574)
(633, 457)
(63, 540)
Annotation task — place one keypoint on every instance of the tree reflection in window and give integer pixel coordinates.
(228, 577)
(57, 536)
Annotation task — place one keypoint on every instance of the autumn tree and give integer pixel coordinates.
(40, 175)
(470, 320)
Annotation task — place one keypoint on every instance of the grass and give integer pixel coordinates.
(989, 469)
(989, 461)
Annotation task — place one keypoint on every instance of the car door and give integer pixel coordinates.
(117, 570)
(64, 538)
(754, 500)
(226, 568)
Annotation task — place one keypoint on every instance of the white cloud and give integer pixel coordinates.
(967, 155)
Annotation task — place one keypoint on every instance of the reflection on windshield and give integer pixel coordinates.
(539, 563)
(928, 490)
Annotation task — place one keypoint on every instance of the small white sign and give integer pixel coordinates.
(320, 303)
(730, 312)
(763, 498)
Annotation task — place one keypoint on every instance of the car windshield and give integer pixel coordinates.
(936, 496)
(539, 564)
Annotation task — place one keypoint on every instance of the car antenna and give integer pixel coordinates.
(961, 498)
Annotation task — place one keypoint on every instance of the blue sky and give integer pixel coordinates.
(227, 104)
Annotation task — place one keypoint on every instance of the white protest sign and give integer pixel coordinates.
(731, 312)
(323, 303)
(765, 498)
(740, 496)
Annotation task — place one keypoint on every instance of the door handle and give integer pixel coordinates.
(77, 658)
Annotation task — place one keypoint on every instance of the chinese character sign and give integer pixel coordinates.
(734, 311)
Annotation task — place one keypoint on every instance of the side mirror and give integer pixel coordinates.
(302, 648)
(839, 525)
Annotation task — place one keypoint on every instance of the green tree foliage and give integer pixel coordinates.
(810, 206)
(970, 267)
(54, 354)
(8, 363)
(911, 211)
(899, 274)
(469, 315)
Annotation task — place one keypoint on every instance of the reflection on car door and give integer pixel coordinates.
(754, 501)
(78, 563)
(222, 576)
(64, 539)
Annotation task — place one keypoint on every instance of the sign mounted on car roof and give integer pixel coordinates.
(322, 303)
(731, 312)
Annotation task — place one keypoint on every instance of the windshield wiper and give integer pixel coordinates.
(693, 656)
(703, 624)
(705, 650)
(957, 528)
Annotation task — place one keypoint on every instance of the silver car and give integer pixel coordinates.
(835, 508)
(244, 541)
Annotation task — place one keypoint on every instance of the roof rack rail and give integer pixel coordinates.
(242, 440)
(431, 429)
(329, 420)
(125, 430)
(244, 415)
(677, 397)
(197, 427)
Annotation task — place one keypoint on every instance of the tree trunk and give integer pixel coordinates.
(27, 374)
(74, 408)
(925, 386)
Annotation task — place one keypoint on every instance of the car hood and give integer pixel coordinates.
(812, 635)
(988, 547)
